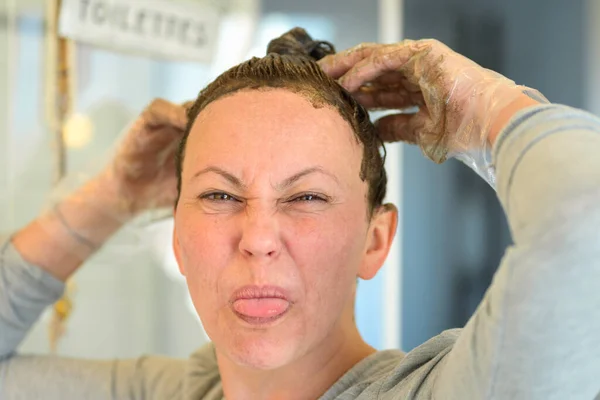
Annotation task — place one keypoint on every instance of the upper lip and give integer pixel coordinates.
(259, 292)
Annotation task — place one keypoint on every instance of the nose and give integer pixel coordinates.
(260, 236)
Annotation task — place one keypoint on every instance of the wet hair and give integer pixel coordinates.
(290, 64)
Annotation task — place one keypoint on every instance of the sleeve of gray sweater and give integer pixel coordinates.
(536, 334)
(25, 291)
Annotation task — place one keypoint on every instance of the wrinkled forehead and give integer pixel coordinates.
(275, 129)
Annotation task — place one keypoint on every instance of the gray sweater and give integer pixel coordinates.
(535, 335)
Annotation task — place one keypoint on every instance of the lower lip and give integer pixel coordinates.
(260, 311)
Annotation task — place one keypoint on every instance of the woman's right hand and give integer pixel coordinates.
(140, 176)
(459, 101)
(142, 171)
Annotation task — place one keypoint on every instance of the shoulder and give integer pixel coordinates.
(164, 377)
(401, 375)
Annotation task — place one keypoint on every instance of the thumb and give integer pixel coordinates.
(396, 127)
(162, 112)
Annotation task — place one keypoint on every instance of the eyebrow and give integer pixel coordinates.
(296, 177)
(286, 183)
(234, 180)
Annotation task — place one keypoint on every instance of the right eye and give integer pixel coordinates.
(218, 197)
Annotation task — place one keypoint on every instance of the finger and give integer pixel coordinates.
(162, 112)
(168, 164)
(375, 98)
(165, 191)
(396, 83)
(402, 127)
(392, 78)
(158, 140)
(188, 104)
(170, 140)
(338, 64)
(395, 98)
(381, 61)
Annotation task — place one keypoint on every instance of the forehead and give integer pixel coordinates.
(275, 127)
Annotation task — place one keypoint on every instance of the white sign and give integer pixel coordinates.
(172, 29)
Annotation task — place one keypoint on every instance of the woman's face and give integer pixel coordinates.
(271, 230)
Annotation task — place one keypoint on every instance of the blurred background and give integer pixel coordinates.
(130, 299)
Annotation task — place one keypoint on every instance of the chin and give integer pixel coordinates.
(261, 350)
(263, 347)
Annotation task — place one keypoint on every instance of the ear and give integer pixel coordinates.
(379, 240)
(177, 248)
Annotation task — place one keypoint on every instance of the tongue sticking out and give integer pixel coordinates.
(261, 308)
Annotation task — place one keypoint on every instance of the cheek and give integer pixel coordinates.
(327, 251)
(205, 245)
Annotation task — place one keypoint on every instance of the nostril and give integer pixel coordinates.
(250, 253)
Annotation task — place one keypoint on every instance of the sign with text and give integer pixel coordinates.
(175, 30)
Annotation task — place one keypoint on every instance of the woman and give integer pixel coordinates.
(272, 241)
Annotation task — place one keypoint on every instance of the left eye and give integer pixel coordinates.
(308, 197)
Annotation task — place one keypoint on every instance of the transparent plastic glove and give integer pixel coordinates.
(143, 167)
(457, 99)
(87, 208)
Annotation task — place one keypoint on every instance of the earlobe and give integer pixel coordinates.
(379, 241)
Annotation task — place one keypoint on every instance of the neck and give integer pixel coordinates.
(306, 378)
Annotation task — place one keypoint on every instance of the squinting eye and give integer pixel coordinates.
(219, 196)
(309, 197)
